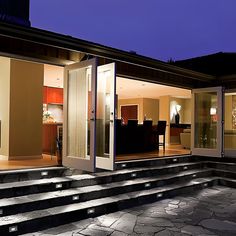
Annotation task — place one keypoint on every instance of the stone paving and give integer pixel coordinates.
(210, 212)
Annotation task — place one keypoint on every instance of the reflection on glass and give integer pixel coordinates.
(78, 105)
(206, 120)
(103, 114)
(230, 121)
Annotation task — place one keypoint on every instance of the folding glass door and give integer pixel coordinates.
(230, 123)
(207, 122)
(89, 106)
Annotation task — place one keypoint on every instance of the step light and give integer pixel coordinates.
(147, 185)
(44, 173)
(205, 185)
(123, 165)
(13, 228)
(90, 211)
(58, 185)
(133, 175)
(185, 167)
(174, 160)
(75, 198)
(194, 176)
(159, 195)
(1, 211)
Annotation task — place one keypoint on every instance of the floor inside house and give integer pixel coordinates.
(170, 150)
(48, 160)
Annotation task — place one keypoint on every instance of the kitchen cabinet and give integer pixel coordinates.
(52, 95)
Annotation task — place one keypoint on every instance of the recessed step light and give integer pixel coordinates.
(75, 198)
(147, 185)
(1, 211)
(123, 165)
(90, 211)
(185, 167)
(13, 228)
(58, 185)
(194, 176)
(174, 160)
(133, 175)
(205, 185)
(159, 195)
(44, 173)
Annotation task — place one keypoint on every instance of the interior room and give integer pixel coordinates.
(49, 114)
(145, 103)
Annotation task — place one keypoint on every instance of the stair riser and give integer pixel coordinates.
(226, 174)
(30, 175)
(227, 183)
(222, 166)
(59, 201)
(64, 218)
(139, 174)
(155, 162)
(25, 190)
(40, 188)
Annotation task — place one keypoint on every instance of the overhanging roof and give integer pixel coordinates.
(67, 43)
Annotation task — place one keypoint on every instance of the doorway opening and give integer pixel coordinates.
(36, 111)
(140, 105)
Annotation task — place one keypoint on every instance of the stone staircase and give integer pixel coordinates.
(32, 200)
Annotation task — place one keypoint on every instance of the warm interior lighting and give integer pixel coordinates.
(213, 111)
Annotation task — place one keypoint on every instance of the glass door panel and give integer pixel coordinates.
(105, 117)
(207, 122)
(79, 115)
(230, 124)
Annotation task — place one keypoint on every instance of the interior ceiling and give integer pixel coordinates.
(53, 76)
(127, 88)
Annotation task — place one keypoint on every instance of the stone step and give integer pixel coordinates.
(154, 161)
(57, 198)
(221, 165)
(228, 182)
(51, 217)
(7, 176)
(224, 173)
(47, 185)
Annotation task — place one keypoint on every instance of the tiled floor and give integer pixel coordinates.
(208, 212)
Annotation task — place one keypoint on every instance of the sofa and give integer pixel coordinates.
(185, 138)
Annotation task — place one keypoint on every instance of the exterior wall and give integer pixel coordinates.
(4, 106)
(26, 90)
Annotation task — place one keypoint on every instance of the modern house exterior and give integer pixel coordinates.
(90, 72)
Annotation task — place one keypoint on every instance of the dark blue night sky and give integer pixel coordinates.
(161, 29)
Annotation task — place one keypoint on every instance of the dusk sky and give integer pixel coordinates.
(161, 29)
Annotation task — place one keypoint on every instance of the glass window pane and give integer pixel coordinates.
(206, 119)
(230, 121)
(78, 105)
(103, 114)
